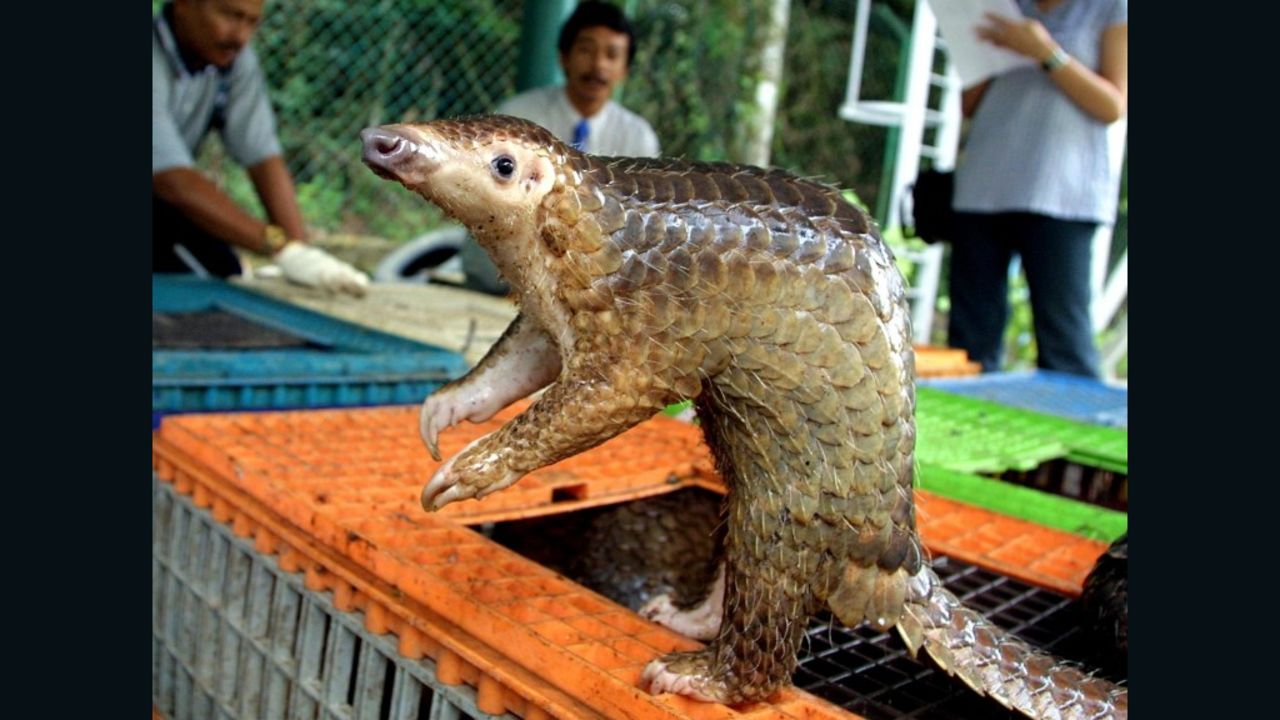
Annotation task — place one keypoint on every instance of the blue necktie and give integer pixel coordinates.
(580, 135)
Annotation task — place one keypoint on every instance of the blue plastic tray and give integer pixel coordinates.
(345, 364)
(1052, 393)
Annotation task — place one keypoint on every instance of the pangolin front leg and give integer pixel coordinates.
(523, 361)
(576, 413)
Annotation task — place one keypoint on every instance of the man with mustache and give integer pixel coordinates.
(204, 77)
(597, 45)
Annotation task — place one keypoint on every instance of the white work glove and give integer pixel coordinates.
(311, 266)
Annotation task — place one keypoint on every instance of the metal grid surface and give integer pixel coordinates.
(233, 636)
(216, 329)
(870, 673)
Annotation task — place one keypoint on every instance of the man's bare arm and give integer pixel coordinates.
(209, 208)
(274, 184)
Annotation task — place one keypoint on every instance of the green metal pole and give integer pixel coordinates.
(884, 17)
(539, 63)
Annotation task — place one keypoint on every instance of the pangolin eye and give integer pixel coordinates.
(504, 167)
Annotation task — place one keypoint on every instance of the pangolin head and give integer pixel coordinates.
(488, 172)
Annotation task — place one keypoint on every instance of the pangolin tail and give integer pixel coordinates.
(996, 663)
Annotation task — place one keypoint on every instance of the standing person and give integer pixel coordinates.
(205, 76)
(597, 45)
(1036, 178)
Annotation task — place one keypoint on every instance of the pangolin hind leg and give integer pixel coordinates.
(768, 560)
(754, 652)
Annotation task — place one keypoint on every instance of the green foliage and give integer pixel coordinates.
(810, 137)
(1019, 334)
(689, 80)
(686, 78)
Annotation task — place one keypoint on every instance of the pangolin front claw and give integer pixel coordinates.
(475, 472)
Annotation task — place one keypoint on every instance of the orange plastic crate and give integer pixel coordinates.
(335, 495)
(531, 642)
(935, 362)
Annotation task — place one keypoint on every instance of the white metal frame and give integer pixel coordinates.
(913, 116)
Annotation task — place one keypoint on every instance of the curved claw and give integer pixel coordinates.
(473, 472)
(435, 498)
(430, 423)
(443, 488)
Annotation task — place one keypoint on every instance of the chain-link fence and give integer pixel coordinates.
(336, 67)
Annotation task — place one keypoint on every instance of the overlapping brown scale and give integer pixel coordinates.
(682, 188)
(585, 235)
(682, 274)
(826, 410)
(810, 389)
(632, 235)
(645, 190)
(666, 235)
(577, 269)
(594, 297)
(766, 285)
(705, 191)
(838, 258)
(727, 189)
(630, 276)
(713, 274)
(606, 258)
(609, 215)
(718, 355)
(810, 248)
(783, 189)
(755, 189)
(687, 323)
(739, 325)
(568, 206)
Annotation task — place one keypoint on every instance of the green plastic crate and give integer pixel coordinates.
(976, 436)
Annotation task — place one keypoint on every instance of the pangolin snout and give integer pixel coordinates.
(388, 152)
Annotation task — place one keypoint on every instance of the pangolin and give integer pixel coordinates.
(771, 302)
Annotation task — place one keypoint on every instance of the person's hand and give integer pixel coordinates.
(1025, 37)
(311, 266)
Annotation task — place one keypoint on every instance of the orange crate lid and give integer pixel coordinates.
(335, 493)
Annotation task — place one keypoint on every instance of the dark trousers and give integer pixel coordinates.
(1055, 258)
(169, 227)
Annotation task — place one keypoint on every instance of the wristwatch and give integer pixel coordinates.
(275, 238)
(1057, 59)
